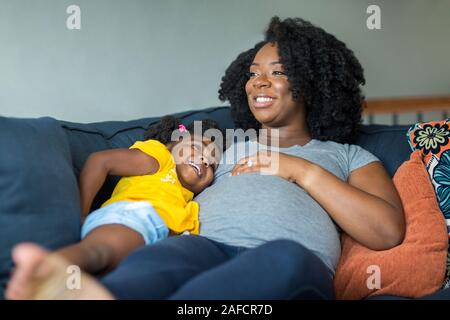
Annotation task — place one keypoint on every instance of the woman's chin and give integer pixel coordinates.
(267, 120)
(264, 115)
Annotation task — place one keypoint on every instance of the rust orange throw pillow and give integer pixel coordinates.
(414, 268)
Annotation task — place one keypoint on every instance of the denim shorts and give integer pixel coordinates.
(136, 215)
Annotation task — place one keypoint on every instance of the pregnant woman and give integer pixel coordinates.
(266, 231)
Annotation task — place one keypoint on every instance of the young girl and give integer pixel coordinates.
(153, 197)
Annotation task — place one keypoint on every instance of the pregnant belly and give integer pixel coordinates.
(251, 209)
(255, 205)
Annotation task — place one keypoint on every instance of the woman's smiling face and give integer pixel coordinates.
(268, 90)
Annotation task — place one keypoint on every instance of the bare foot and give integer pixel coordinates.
(41, 275)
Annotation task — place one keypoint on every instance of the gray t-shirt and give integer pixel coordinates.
(250, 209)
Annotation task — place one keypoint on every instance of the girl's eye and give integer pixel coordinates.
(251, 74)
(212, 165)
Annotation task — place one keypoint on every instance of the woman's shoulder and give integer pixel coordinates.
(331, 145)
(347, 147)
(350, 151)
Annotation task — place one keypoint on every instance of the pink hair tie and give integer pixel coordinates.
(182, 128)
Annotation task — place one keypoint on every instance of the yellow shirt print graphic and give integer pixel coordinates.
(162, 189)
(171, 177)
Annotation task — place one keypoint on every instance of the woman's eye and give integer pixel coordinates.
(279, 73)
(252, 74)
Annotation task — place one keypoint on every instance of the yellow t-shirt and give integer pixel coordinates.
(162, 189)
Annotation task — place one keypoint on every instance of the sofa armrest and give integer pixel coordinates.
(39, 198)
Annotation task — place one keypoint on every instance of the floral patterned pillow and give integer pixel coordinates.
(432, 138)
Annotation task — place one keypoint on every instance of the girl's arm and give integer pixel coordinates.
(367, 207)
(119, 162)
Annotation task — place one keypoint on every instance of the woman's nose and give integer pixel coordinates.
(261, 81)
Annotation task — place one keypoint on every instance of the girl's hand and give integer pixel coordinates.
(288, 167)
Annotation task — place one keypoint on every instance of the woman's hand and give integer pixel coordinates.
(288, 167)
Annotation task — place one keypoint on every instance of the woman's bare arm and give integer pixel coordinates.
(120, 162)
(367, 207)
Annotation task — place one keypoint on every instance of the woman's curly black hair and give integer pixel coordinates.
(322, 72)
(162, 130)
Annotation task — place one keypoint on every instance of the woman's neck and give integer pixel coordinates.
(285, 136)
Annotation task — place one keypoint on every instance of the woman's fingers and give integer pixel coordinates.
(260, 162)
(241, 169)
(249, 164)
(243, 160)
(243, 165)
(238, 169)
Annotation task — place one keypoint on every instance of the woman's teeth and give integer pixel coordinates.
(263, 99)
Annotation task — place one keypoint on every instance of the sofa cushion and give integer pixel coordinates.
(39, 199)
(432, 139)
(416, 267)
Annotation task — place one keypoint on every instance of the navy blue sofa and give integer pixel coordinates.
(40, 160)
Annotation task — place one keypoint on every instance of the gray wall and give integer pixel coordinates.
(140, 58)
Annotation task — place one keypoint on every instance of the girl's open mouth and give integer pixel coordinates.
(196, 167)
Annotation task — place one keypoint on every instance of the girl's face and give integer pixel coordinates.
(268, 90)
(196, 162)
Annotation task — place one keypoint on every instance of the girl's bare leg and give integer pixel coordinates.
(103, 248)
(43, 275)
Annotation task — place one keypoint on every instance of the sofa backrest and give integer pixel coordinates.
(388, 143)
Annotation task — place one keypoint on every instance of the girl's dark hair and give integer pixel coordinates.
(162, 130)
(323, 73)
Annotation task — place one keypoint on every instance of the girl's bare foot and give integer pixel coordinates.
(40, 274)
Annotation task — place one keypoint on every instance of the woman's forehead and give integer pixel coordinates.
(268, 51)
